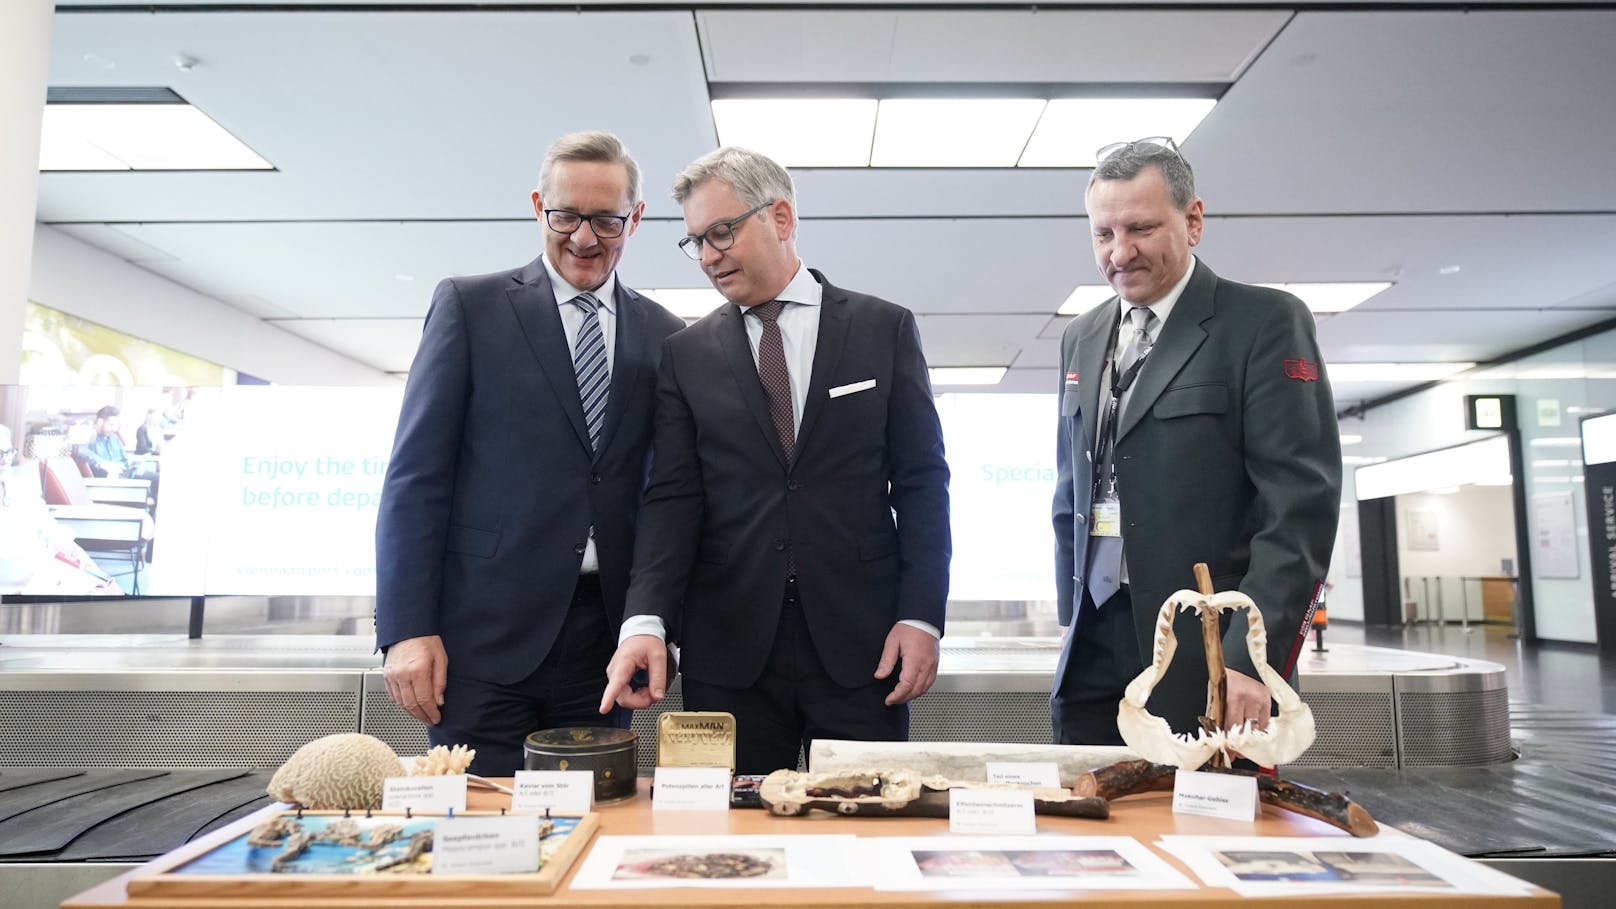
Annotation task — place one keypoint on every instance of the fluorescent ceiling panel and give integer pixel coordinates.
(1338, 297)
(1341, 373)
(800, 132)
(953, 132)
(967, 375)
(1072, 129)
(1477, 462)
(140, 137)
(1599, 439)
(1085, 297)
(687, 302)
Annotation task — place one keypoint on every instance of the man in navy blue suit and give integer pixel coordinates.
(506, 526)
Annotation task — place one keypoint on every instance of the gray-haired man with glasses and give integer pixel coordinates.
(794, 538)
(507, 518)
(1196, 425)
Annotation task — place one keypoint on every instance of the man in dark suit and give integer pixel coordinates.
(1196, 425)
(794, 538)
(506, 526)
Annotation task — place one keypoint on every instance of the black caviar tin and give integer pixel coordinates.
(608, 752)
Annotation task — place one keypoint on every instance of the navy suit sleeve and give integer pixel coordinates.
(1293, 459)
(413, 521)
(918, 482)
(671, 513)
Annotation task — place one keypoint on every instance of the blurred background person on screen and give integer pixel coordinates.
(506, 526)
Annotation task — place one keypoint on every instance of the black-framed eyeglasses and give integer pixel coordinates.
(720, 236)
(563, 221)
(1106, 151)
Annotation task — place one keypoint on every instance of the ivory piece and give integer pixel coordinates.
(964, 761)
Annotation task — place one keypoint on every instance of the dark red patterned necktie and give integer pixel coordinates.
(776, 378)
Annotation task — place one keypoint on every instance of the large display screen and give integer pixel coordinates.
(273, 490)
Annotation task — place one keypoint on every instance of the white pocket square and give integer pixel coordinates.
(852, 387)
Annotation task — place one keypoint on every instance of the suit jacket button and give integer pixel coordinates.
(594, 478)
(579, 549)
(793, 486)
(779, 544)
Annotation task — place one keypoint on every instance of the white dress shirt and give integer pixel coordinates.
(572, 321)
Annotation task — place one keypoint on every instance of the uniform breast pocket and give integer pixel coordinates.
(1190, 400)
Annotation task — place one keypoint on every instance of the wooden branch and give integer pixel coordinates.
(1133, 777)
(1212, 643)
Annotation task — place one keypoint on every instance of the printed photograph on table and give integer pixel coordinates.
(725, 862)
(307, 854)
(1020, 863)
(1293, 866)
(643, 864)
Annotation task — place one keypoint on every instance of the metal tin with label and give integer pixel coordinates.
(696, 739)
(608, 752)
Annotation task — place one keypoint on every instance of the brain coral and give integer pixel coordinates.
(338, 771)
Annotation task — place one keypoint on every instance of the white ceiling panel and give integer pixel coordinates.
(977, 340)
(384, 115)
(1366, 336)
(1372, 145)
(977, 46)
(389, 344)
(1463, 111)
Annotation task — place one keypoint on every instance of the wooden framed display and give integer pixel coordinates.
(308, 854)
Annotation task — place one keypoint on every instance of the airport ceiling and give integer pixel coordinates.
(1462, 153)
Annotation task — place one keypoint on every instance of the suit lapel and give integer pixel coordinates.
(1093, 348)
(534, 303)
(833, 325)
(1180, 338)
(626, 360)
(738, 354)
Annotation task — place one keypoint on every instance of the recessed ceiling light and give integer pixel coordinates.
(1333, 297)
(1350, 439)
(953, 132)
(799, 132)
(967, 375)
(1556, 442)
(1448, 270)
(1341, 373)
(139, 136)
(1072, 129)
(1085, 297)
(687, 302)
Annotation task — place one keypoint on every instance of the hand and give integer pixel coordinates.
(918, 652)
(1065, 630)
(1245, 698)
(640, 651)
(416, 669)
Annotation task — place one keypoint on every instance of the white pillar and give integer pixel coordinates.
(25, 30)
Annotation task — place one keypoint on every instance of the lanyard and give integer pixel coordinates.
(1104, 449)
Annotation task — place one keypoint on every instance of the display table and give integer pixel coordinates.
(1143, 817)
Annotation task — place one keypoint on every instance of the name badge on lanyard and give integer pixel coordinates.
(1107, 519)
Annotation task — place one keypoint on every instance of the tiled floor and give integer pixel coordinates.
(1569, 676)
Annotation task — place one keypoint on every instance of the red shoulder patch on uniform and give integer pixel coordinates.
(1302, 370)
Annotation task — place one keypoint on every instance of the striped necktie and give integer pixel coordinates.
(589, 360)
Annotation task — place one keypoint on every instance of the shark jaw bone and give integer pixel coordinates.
(1288, 734)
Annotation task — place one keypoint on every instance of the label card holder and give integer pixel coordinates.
(1225, 795)
(991, 811)
(424, 793)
